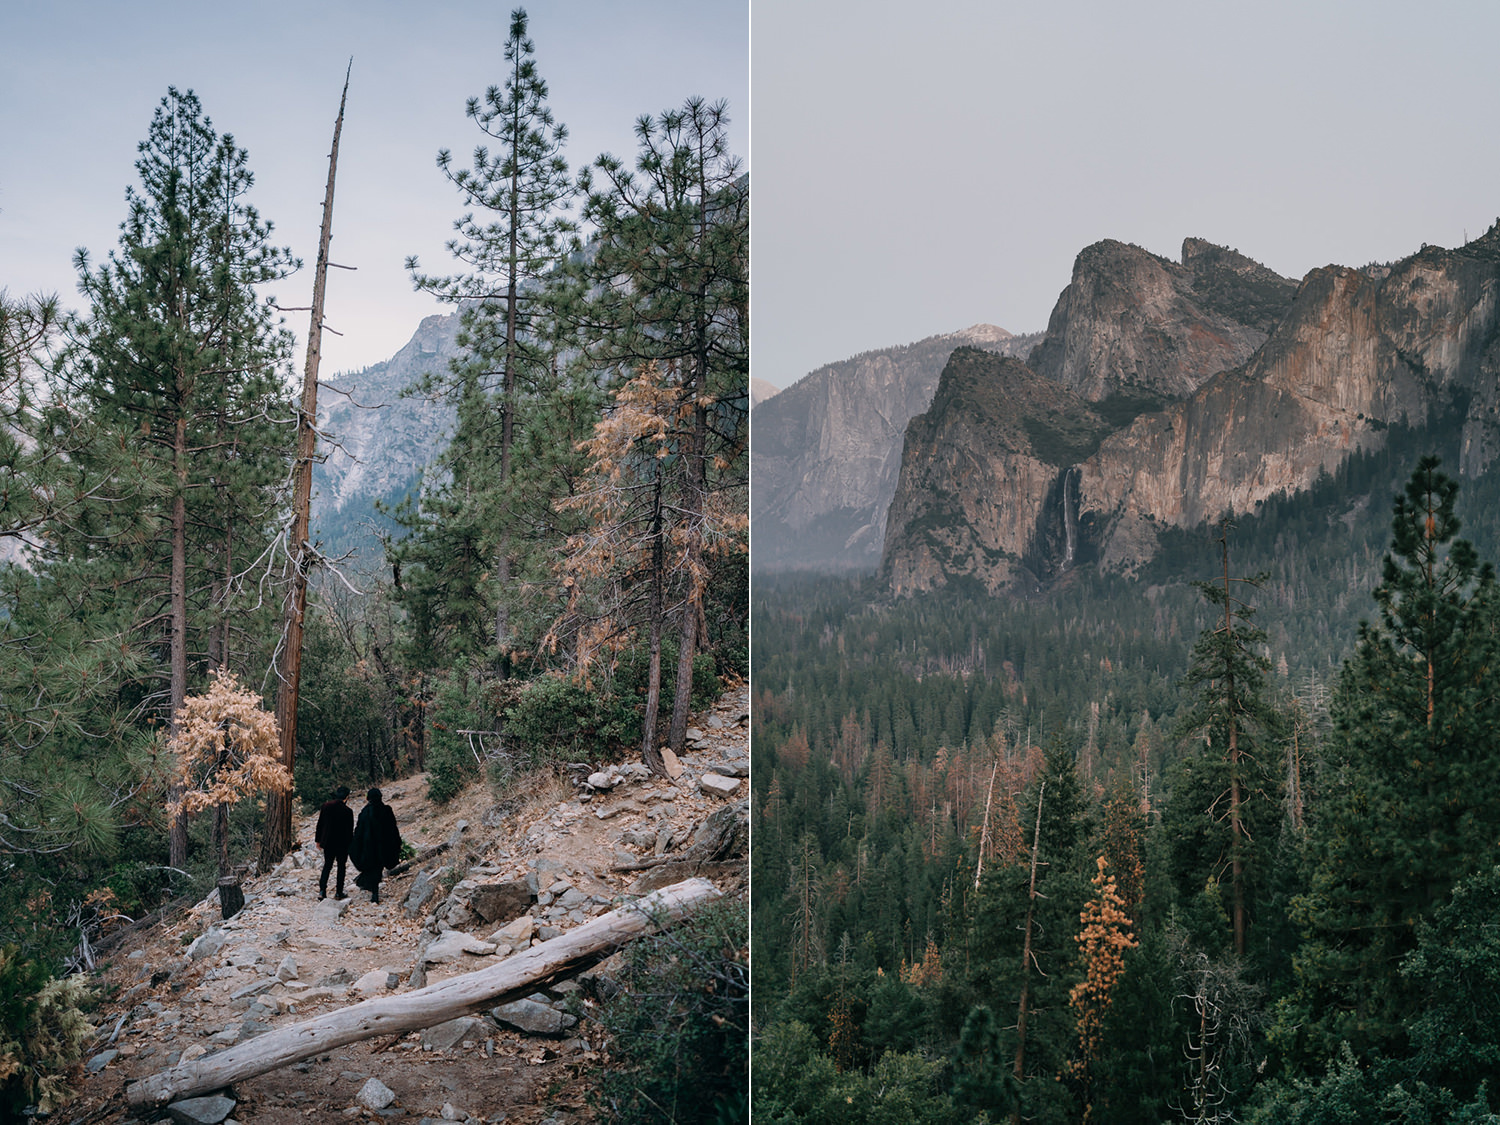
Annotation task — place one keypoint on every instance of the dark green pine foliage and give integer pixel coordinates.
(184, 368)
(479, 531)
(1409, 805)
(664, 283)
(1230, 712)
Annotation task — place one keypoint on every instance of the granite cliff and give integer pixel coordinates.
(825, 452)
(376, 442)
(1171, 443)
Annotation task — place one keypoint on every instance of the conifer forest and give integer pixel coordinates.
(567, 580)
(1216, 843)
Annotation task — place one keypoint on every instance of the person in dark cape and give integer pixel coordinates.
(377, 843)
(335, 833)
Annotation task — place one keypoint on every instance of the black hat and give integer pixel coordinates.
(341, 792)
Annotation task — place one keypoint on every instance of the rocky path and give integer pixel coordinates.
(549, 858)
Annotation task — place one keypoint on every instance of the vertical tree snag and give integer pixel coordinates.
(278, 838)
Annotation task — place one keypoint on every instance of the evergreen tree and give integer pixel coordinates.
(1408, 808)
(519, 192)
(1227, 672)
(181, 362)
(665, 281)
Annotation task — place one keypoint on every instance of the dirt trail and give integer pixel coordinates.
(197, 984)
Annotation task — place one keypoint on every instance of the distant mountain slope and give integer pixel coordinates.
(760, 390)
(376, 442)
(825, 452)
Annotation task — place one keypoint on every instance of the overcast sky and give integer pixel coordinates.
(80, 79)
(920, 168)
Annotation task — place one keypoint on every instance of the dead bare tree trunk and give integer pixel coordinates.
(513, 977)
(278, 838)
(1036, 840)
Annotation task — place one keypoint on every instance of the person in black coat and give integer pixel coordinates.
(377, 843)
(335, 832)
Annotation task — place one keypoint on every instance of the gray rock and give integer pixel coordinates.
(716, 785)
(201, 1111)
(498, 903)
(335, 978)
(254, 989)
(424, 888)
(735, 768)
(287, 970)
(458, 830)
(102, 1060)
(375, 1095)
(603, 780)
(208, 944)
(331, 909)
(532, 1017)
(445, 1035)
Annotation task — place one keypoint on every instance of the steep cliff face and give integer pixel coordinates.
(980, 471)
(1354, 354)
(1132, 323)
(380, 441)
(825, 452)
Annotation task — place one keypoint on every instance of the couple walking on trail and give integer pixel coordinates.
(374, 843)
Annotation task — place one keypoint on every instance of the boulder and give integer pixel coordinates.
(453, 945)
(424, 889)
(533, 1018)
(717, 785)
(208, 944)
(201, 1111)
(375, 1095)
(441, 1037)
(498, 903)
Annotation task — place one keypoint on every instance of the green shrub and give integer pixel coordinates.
(556, 720)
(678, 1030)
(43, 1032)
(451, 763)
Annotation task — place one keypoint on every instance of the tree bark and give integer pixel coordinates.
(278, 838)
(177, 844)
(1036, 840)
(514, 977)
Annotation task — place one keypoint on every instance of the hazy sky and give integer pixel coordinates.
(920, 168)
(80, 79)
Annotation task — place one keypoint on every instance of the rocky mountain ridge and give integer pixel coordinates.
(1352, 354)
(825, 452)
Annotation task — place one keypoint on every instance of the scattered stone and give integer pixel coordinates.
(452, 1114)
(102, 1060)
(740, 768)
(716, 785)
(423, 889)
(671, 762)
(498, 903)
(453, 945)
(375, 1095)
(603, 780)
(418, 978)
(532, 1017)
(373, 982)
(441, 1037)
(335, 978)
(254, 989)
(458, 830)
(287, 970)
(208, 944)
(196, 1051)
(201, 1111)
(331, 909)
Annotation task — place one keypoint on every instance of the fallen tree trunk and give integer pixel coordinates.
(417, 860)
(516, 976)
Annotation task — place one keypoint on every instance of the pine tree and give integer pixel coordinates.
(1409, 806)
(519, 192)
(1227, 671)
(184, 365)
(665, 280)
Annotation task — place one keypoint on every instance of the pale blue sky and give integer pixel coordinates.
(923, 167)
(79, 80)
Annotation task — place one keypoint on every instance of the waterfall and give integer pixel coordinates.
(1070, 519)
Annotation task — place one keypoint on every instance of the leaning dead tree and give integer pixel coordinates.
(516, 976)
(278, 838)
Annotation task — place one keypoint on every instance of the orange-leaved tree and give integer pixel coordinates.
(643, 559)
(227, 748)
(1102, 941)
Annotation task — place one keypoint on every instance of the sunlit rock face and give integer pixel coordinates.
(1001, 484)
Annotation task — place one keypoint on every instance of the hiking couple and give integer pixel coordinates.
(374, 843)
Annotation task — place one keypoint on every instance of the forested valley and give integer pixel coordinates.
(1213, 842)
(569, 578)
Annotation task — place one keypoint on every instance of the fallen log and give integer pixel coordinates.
(417, 860)
(514, 977)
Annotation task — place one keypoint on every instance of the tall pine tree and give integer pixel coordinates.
(1412, 773)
